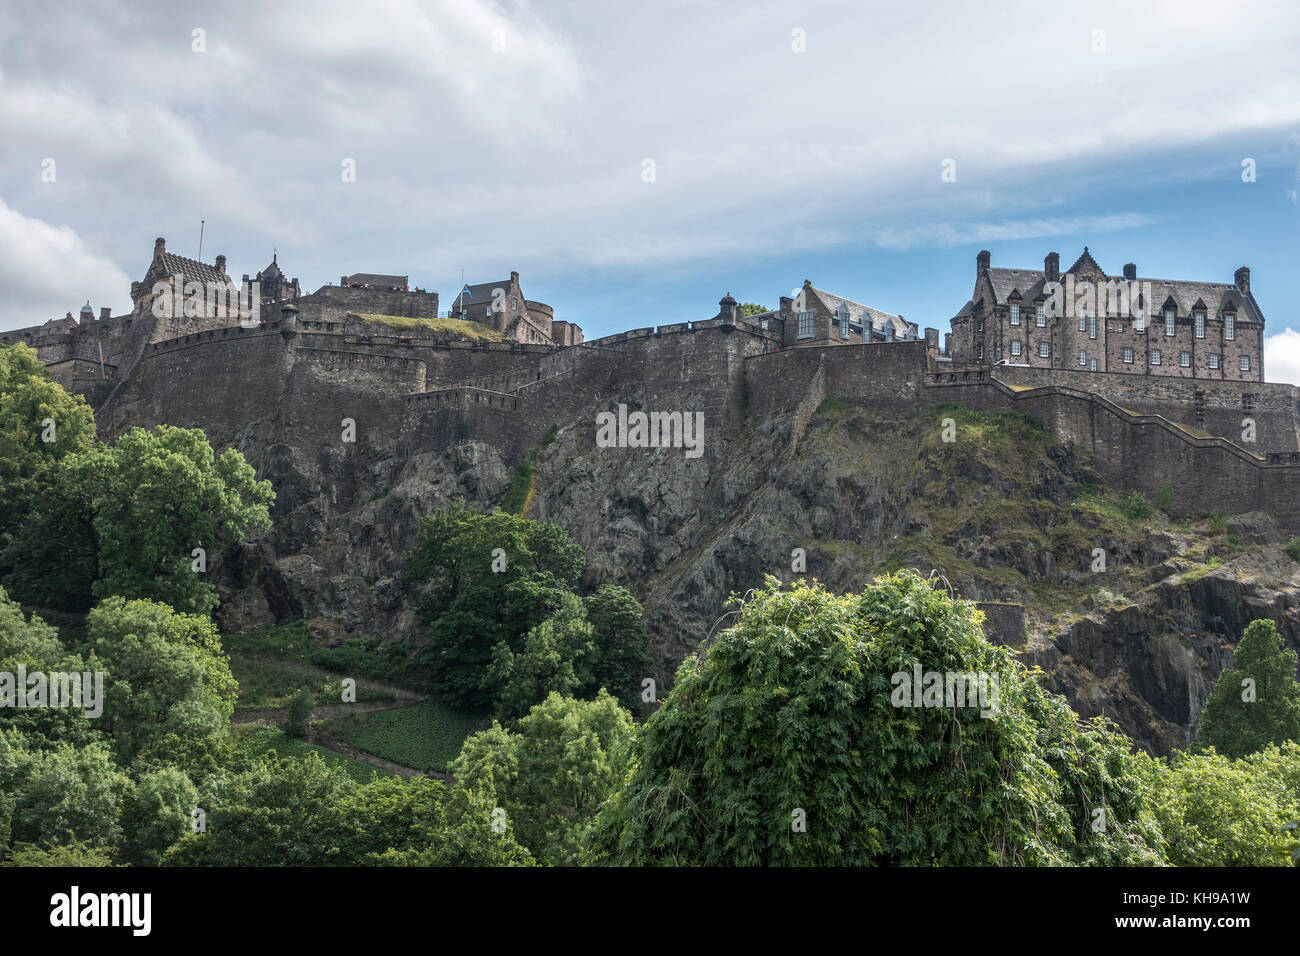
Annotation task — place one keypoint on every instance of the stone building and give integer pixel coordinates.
(274, 285)
(817, 317)
(1084, 319)
(501, 305)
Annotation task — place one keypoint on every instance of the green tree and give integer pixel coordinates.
(557, 655)
(484, 579)
(1256, 702)
(166, 674)
(788, 741)
(1217, 811)
(157, 496)
(300, 708)
(158, 814)
(621, 660)
(752, 308)
(29, 400)
(63, 796)
(554, 773)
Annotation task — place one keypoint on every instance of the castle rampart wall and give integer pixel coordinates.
(332, 303)
(1214, 406)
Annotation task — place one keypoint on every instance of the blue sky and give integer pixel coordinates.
(787, 141)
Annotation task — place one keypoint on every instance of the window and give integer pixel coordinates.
(1092, 365)
(1015, 347)
(1200, 325)
(805, 325)
(1015, 313)
(1083, 322)
(1214, 360)
(1185, 359)
(979, 326)
(1155, 356)
(1128, 356)
(843, 315)
(979, 352)
(1120, 327)
(1169, 323)
(1044, 350)
(1139, 319)
(1092, 326)
(1083, 358)
(1229, 325)
(1040, 317)
(1245, 363)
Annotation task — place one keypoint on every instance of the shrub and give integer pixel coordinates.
(1137, 507)
(1293, 549)
(1165, 497)
(295, 723)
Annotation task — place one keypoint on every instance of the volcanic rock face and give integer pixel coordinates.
(1004, 513)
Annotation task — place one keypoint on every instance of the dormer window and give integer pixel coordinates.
(842, 313)
(1015, 313)
(1229, 325)
(1169, 323)
(1139, 317)
(1200, 325)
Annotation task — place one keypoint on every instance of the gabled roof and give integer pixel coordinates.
(191, 269)
(1217, 296)
(482, 292)
(858, 312)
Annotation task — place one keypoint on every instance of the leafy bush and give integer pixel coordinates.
(1165, 497)
(300, 708)
(1137, 507)
(1293, 549)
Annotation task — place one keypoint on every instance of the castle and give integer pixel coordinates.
(1189, 409)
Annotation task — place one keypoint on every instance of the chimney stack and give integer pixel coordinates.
(159, 246)
(1130, 271)
(982, 262)
(105, 313)
(1052, 266)
(221, 264)
(1242, 278)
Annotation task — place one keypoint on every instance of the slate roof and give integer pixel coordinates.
(192, 269)
(1216, 296)
(857, 311)
(481, 292)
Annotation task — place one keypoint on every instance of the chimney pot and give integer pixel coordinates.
(982, 262)
(221, 264)
(159, 246)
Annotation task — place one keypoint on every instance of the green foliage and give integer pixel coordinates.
(300, 708)
(62, 795)
(1165, 497)
(618, 634)
(1136, 507)
(521, 483)
(1293, 549)
(273, 684)
(166, 674)
(752, 308)
(557, 655)
(468, 609)
(1238, 720)
(427, 736)
(1216, 522)
(792, 710)
(70, 855)
(304, 812)
(367, 657)
(554, 773)
(1217, 811)
(158, 813)
(157, 495)
(285, 639)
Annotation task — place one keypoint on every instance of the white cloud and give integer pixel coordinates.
(47, 271)
(1282, 357)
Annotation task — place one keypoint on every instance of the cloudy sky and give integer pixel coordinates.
(635, 161)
